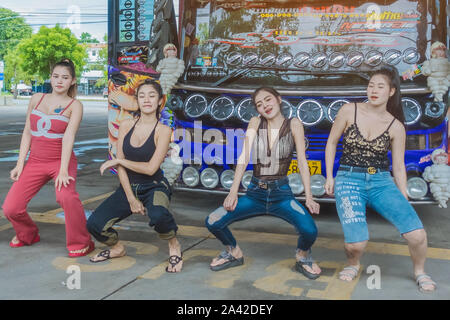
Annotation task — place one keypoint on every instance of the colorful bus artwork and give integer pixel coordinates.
(318, 55)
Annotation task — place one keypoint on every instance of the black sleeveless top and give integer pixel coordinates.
(359, 152)
(141, 154)
(272, 164)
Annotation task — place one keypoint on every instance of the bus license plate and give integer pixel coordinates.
(315, 167)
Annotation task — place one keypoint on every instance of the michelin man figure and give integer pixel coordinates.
(438, 70)
(438, 175)
(172, 164)
(171, 68)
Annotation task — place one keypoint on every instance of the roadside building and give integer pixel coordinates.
(93, 70)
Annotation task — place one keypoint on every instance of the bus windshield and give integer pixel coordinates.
(302, 43)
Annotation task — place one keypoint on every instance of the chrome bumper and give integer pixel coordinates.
(325, 199)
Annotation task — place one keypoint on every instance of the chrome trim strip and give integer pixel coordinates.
(327, 92)
(301, 198)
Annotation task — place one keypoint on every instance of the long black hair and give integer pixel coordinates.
(394, 104)
(67, 63)
(159, 91)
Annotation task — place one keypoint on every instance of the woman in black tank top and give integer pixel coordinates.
(271, 138)
(141, 148)
(369, 130)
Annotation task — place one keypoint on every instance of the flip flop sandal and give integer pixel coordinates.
(299, 266)
(104, 254)
(174, 260)
(20, 244)
(350, 272)
(423, 283)
(231, 261)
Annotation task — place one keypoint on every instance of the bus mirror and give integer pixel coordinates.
(157, 23)
(160, 31)
(164, 6)
(157, 43)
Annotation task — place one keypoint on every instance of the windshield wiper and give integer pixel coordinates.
(233, 75)
(328, 73)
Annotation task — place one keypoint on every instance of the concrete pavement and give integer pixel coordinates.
(41, 271)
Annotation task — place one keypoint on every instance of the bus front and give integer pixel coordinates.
(317, 54)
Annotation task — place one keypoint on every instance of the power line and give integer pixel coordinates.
(61, 24)
(28, 14)
(55, 23)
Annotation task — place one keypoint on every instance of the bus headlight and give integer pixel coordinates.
(209, 178)
(411, 110)
(318, 185)
(226, 179)
(417, 188)
(222, 108)
(296, 184)
(190, 177)
(195, 106)
(310, 112)
(245, 110)
(246, 178)
(334, 107)
(287, 109)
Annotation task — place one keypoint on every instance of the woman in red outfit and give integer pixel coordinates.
(51, 125)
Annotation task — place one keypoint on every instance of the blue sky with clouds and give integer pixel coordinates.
(64, 12)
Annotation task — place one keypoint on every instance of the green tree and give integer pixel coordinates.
(86, 37)
(13, 29)
(42, 50)
(103, 82)
(14, 73)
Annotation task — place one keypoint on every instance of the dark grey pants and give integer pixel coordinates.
(155, 196)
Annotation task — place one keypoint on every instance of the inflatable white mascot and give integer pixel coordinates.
(438, 175)
(172, 164)
(438, 71)
(171, 68)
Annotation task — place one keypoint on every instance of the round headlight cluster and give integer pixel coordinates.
(411, 110)
(222, 108)
(226, 179)
(287, 109)
(374, 58)
(209, 178)
(334, 107)
(337, 59)
(310, 112)
(245, 110)
(318, 185)
(195, 106)
(417, 188)
(246, 178)
(320, 60)
(355, 59)
(296, 184)
(190, 177)
(393, 57)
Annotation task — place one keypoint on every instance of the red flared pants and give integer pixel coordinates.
(34, 176)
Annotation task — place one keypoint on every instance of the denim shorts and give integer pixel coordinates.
(354, 191)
